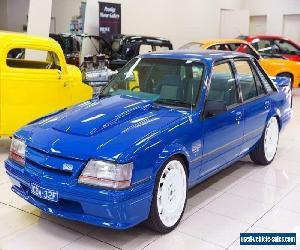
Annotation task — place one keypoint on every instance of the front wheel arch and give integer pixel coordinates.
(154, 221)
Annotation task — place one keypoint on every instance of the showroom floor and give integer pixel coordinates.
(245, 197)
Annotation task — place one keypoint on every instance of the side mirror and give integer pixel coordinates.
(281, 81)
(214, 107)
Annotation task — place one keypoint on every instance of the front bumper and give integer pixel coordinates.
(108, 208)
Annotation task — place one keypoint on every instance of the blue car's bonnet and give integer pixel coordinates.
(98, 128)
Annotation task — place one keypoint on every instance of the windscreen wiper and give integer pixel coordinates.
(173, 102)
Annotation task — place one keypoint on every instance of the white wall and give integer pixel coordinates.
(13, 14)
(39, 17)
(274, 10)
(63, 11)
(180, 21)
(3, 14)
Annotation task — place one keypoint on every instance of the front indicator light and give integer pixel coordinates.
(106, 174)
(17, 151)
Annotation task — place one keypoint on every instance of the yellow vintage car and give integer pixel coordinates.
(35, 80)
(273, 66)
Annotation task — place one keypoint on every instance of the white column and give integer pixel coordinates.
(39, 17)
(91, 26)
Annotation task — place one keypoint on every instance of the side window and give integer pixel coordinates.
(32, 59)
(222, 85)
(286, 47)
(263, 79)
(244, 48)
(247, 79)
(220, 47)
(264, 46)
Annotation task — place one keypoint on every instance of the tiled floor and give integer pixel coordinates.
(243, 198)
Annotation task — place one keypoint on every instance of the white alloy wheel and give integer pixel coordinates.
(271, 139)
(171, 193)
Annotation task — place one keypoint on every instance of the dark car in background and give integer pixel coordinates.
(70, 46)
(123, 48)
(97, 70)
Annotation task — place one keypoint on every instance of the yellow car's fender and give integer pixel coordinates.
(277, 66)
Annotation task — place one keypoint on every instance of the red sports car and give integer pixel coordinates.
(274, 46)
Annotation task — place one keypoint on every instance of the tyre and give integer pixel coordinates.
(169, 196)
(266, 149)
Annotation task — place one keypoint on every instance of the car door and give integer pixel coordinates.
(222, 133)
(256, 102)
(33, 84)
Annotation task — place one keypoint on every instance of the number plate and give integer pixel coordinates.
(44, 193)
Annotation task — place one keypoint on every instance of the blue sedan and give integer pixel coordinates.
(166, 122)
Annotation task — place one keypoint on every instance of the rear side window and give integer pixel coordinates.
(223, 85)
(263, 79)
(224, 47)
(32, 59)
(246, 79)
(243, 48)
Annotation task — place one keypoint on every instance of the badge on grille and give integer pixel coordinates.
(67, 167)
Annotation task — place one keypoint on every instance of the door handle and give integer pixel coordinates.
(238, 116)
(267, 104)
(66, 84)
(59, 74)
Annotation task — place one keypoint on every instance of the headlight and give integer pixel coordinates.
(17, 151)
(106, 174)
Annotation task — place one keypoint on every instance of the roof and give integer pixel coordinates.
(6, 36)
(252, 37)
(221, 40)
(207, 56)
(139, 37)
(267, 36)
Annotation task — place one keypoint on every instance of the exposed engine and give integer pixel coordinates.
(96, 73)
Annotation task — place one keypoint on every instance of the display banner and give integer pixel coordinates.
(109, 20)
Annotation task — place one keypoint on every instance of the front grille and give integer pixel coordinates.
(48, 169)
(52, 164)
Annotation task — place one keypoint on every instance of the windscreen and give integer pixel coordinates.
(165, 81)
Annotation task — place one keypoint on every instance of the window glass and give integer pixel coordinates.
(222, 85)
(247, 80)
(165, 81)
(259, 86)
(286, 47)
(243, 48)
(220, 47)
(263, 79)
(32, 59)
(266, 46)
